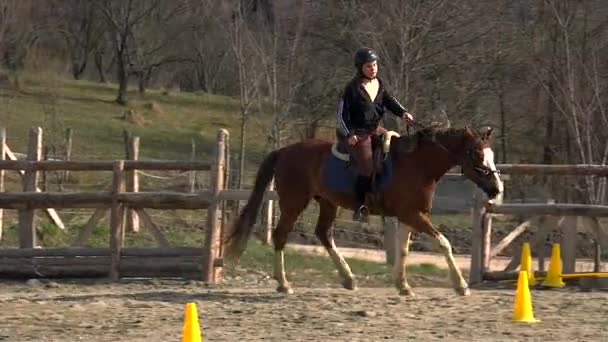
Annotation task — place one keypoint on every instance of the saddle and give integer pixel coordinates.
(380, 149)
(340, 171)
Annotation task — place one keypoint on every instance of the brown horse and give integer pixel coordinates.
(418, 162)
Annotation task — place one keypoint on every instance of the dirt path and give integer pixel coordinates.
(462, 260)
(152, 310)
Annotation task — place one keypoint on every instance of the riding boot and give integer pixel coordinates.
(360, 210)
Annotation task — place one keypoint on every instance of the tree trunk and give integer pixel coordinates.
(123, 80)
(78, 66)
(242, 153)
(142, 83)
(503, 123)
(99, 66)
(312, 129)
(549, 122)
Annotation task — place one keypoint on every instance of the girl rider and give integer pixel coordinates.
(360, 109)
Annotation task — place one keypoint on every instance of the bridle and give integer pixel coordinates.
(463, 161)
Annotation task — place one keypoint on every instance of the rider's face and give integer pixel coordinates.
(370, 70)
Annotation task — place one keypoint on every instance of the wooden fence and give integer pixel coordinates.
(117, 261)
(548, 216)
(124, 196)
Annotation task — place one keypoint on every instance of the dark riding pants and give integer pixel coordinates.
(361, 152)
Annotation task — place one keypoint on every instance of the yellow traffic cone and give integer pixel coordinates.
(526, 263)
(191, 329)
(554, 275)
(522, 307)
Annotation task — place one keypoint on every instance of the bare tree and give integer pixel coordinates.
(156, 40)
(212, 46)
(17, 31)
(122, 17)
(576, 89)
(278, 44)
(240, 39)
(81, 29)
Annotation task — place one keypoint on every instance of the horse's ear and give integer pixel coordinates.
(468, 130)
(486, 132)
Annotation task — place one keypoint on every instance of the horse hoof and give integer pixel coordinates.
(285, 289)
(407, 292)
(349, 284)
(463, 291)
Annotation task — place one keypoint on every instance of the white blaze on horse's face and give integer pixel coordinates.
(488, 161)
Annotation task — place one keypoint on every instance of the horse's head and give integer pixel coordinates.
(477, 161)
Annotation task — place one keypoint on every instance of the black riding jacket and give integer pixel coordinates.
(357, 111)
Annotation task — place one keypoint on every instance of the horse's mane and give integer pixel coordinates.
(410, 143)
(431, 133)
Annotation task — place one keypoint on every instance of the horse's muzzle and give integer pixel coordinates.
(492, 191)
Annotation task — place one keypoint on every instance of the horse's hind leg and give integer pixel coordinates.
(324, 232)
(399, 269)
(289, 215)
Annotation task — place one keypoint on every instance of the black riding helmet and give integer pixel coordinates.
(364, 55)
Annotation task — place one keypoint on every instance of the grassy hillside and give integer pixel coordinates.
(165, 122)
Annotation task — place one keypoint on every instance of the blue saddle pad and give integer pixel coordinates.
(339, 176)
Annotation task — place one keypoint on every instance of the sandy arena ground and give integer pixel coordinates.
(248, 309)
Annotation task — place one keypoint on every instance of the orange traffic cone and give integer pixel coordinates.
(191, 329)
(522, 307)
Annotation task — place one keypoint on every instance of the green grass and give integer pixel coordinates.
(51, 236)
(171, 121)
(319, 269)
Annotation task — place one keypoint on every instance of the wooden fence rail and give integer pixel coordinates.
(560, 169)
(103, 199)
(98, 165)
(560, 209)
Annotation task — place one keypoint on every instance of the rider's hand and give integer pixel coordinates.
(408, 118)
(352, 140)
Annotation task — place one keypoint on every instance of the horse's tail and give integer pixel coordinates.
(236, 242)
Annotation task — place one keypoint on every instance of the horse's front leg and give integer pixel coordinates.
(399, 268)
(422, 223)
(323, 231)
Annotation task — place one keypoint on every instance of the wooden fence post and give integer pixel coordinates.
(2, 157)
(43, 175)
(600, 242)
(568, 244)
(214, 216)
(486, 225)
(268, 218)
(477, 234)
(192, 177)
(116, 220)
(27, 217)
(132, 183)
(391, 234)
(226, 184)
(68, 151)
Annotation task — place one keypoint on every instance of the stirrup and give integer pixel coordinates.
(361, 214)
